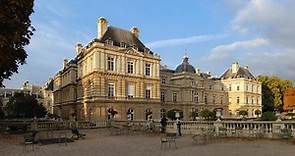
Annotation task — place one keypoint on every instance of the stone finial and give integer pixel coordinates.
(135, 31)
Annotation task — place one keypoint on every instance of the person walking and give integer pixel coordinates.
(163, 123)
(178, 124)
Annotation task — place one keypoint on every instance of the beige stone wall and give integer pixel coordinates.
(191, 90)
(248, 88)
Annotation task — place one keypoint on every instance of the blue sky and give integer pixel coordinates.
(257, 33)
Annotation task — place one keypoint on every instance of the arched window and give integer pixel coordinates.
(130, 114)
(162, 113)
(148, 114)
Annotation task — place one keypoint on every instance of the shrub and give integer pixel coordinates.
(268, 116)
(208, 115)
(243, 113)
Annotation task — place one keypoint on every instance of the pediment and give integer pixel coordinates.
(133, 51)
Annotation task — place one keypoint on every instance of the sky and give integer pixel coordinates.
(214, 34)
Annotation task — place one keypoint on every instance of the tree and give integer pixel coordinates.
(16, 32)
(24, 106)
(268, 116)
(243, 113)
(208, 115)
(2, 114)
(273, 89)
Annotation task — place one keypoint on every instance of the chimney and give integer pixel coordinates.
(235, 67)
(65, 62)
(135, 31)
(79, 47)
(102, 26)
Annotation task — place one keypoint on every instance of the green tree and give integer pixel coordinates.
(26, 106)
(273, 89)
(268, 116)
(208, 115)
(243, 113)
(15, 33)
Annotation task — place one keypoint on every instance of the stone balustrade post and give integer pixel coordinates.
(217, 124)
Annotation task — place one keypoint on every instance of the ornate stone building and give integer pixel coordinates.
(190, 91)
(244, 90)
(116, 72)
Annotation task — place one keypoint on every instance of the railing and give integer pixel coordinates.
(267, 129)
(49, 125)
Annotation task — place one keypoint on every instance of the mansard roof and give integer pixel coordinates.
(119, 36)
(241, 73)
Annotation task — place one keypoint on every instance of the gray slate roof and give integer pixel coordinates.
(185, 67)
(119, 36)
(241, 73)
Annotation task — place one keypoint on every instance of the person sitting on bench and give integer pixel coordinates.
(77, 134)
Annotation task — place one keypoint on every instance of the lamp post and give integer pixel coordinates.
(218, 114)
(177, 115)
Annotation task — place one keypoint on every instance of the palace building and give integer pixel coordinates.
(116, 72)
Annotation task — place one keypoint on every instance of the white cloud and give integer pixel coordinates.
(223, 51)
(183, 41)
(271, 19)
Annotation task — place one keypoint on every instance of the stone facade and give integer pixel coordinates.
(244, 91)
(116, 73)
(190, 91)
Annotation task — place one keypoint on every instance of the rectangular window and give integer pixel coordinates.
(148, 69)
(130, 91)
(163, 96)
(252, 101)
(163, 80)
(213, 101)
(238, 99)
(221, 100)
(197, 98)
(247, 99)
(130, 67)
(148, 93)
(247, 87)
(174, 97)
(206, 99)
(238, 88)
(229, 100)
(229, 87)
(111, 89)
(110, 63)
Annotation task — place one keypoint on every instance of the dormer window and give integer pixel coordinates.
(109, 42)
(123, 45)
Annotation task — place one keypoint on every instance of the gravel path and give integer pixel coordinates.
(99, 143)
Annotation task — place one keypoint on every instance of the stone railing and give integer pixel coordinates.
(265, 129)
(49, 125)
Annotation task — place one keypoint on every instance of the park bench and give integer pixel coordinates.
(169, 138)
(77, 135)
